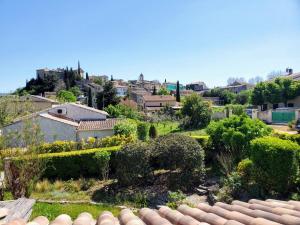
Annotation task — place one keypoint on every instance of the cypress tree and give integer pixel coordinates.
(87, 76)
(177, 92)
(90, 98)
(152, 132)
(111, 78)
(154, 92)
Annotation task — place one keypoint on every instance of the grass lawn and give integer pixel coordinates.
(53, 210)
(167, 127)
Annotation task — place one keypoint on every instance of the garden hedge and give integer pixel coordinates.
(74, 164)
(276, 163)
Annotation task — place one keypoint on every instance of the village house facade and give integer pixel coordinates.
(70, 122)
(152, 103)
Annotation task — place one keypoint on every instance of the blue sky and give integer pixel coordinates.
(186, 40)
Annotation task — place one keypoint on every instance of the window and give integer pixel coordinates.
(291, 105)
(160, 104)
(264, 107)
(59, 111)
(275, 106)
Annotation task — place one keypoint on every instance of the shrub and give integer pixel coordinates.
(119, 111)
(236, 109)
(125, 127)
(291, 137)
(103, 159)
(57, 146)
(202, 140)
(66, 96)
(74, 164)
(133, 163)
(232, 188)
(276, 163)
(142, 131)
(175, 151)
(116, 140)
(233, 135)
(43, 186)
(152, 132)
(197, 112)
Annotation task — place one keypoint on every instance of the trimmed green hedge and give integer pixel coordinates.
(276, 163)
(74, 164)
(202, 140)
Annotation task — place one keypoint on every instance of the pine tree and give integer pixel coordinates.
(108, 96)
(87, 76)
(111, 78)
(90, 98)
(177, 92)
(154, 92)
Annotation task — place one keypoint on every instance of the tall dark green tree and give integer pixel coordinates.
(108, 96)
(111, 78)
(154, 92)
(90, 98)
(177, 92)
(87, 76)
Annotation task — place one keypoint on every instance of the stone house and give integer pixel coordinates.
(152, 103)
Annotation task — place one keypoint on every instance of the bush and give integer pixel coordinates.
(74, 164)
(232, 188)
(57, 146)
(152, 132)
(291, 137)
(133, 163)
(125, 127)
(276, 163)
(103, 159)
(197, 112)
(245, 169)
(202, 140)
(236, 109)
(119, 111)
(233, 135)
(116, 140)
(142, 131)
(175, 151)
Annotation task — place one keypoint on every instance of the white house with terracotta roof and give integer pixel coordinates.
(70, 121)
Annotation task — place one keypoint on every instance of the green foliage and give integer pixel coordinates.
(116, 140)
(275, 91)
(291, 137)
(133, 163)
(90, 98)
(57, 146)
(142, 131)
(66, 96)
(123, 111)
(108, 96)
(175, 198)
(75, 90)
(276, 163)
(232, 188)
(226, 96)
(163, 91)
(243, 98)
(177, 92)
(245, 169)
(38, 86)
(197, 112)
(202, 140)
(51, 211)
(175, 151)
(233, 135)
(74, 164)
(236, 109)
(152, 131)
(126, 128)
(103, 158)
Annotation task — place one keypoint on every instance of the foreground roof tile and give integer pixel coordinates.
(255, 212)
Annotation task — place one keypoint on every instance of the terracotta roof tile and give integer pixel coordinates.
(107, 124)
(272, 212)
(156, 98)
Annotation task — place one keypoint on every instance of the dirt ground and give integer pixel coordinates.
(283, 129)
